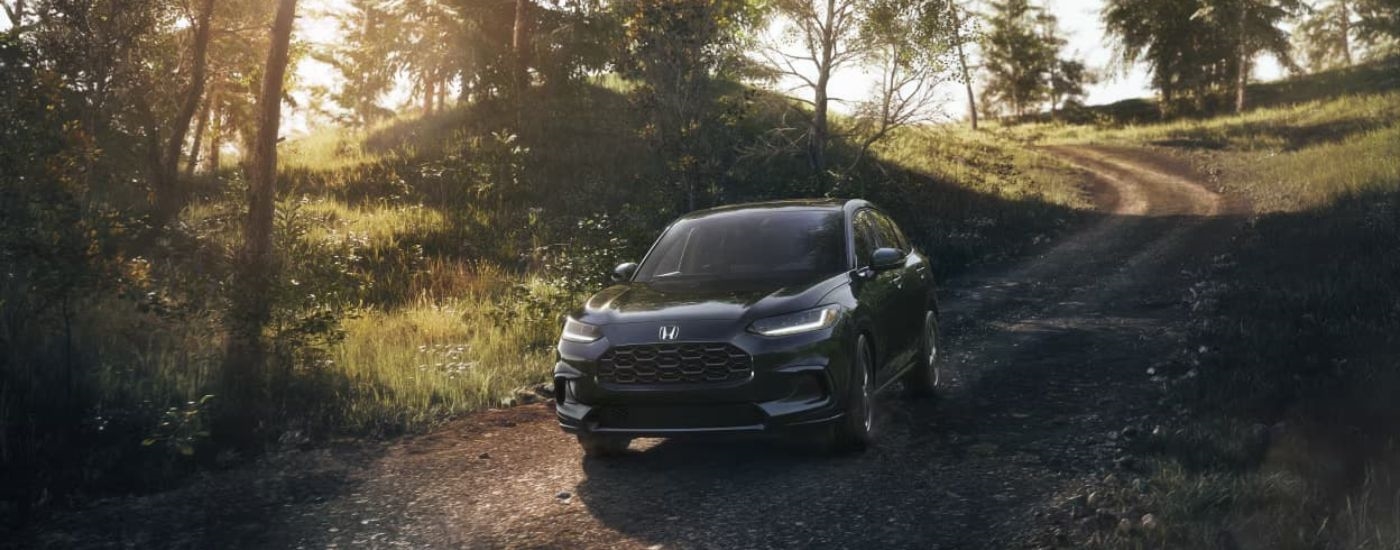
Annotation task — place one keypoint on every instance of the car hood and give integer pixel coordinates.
(675, 301)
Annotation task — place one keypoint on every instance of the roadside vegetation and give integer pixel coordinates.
(1286, 394)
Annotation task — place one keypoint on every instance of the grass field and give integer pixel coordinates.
(1290, 434)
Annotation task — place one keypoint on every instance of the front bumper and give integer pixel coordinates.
(796, 382)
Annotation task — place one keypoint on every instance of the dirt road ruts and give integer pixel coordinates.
(1044, 360)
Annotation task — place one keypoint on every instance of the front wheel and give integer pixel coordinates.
(856, 430)
(923, 380)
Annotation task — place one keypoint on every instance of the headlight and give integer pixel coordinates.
(794, 323)
(578, 331)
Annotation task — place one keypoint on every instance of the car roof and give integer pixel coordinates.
(834, 205)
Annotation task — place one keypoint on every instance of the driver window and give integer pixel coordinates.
(865, 236)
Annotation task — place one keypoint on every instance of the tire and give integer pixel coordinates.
(856, 429)
(923, 380)
(603, 446)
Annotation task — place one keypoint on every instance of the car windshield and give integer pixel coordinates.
(749, 245)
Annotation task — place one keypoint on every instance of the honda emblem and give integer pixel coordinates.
(670, 332)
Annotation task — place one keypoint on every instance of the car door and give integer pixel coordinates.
(877, 291)
(907, 311)
(919, 270)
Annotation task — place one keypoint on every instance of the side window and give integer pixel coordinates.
(865, 236)
(889, 236)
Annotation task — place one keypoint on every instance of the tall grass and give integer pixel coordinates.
(414, 366)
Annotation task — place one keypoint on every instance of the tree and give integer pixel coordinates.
(1255, 26)
(825, 33)
(961, 37)
(908, 42)
(1378, 21)
(167, 173)
(1326, 35)
(243, 370)
(199, 130)
(1199, 50)
(16, 13)
(370, 32)
(676, 49)
(519, 47)
(1018, 59)
(1067, 82)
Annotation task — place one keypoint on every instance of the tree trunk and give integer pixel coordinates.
(962, 64)
(428, 94)
(16, 15)
(442, 94)
(519, 44)
(1241, 80)
(168, 172)
(1346, 30)
(244, 366)
(216, 140)
(817, 148)
(1242, 71)
(199, 129)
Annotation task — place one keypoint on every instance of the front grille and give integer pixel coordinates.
(674, 364)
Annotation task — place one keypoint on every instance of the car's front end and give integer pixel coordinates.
(669, 377)
(737, 320)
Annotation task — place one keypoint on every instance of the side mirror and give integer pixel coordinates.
(886, 258)
(623, 272)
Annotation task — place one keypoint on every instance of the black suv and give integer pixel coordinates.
(752, 318)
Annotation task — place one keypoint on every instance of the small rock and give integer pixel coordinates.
(1125, 526)
(1148, 521)
(484, 456)
(1105, 518)
(1159, 430)
(561, 495)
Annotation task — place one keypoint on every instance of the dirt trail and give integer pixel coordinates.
(1046, 359)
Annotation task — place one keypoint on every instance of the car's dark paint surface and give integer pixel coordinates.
(795, 380)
